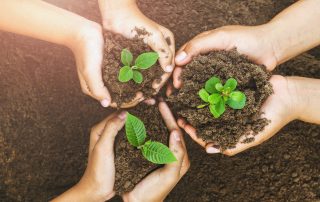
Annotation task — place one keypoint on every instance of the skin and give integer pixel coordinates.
(82, 36)
(97, 183)
(285, 36)
(123, 17)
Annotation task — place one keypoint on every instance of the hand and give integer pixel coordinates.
(156, 186)
(98, 180)
(88, 51)
(280, 108)
(124, 17)
(251, 41)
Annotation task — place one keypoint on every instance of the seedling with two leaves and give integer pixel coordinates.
(153, 151)
(143, 61)
(217, 96)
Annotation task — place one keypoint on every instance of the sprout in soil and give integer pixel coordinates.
(143, 61)
(216, 96)
(153, 151)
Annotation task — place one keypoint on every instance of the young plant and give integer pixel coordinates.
(153, 151)
(143, 61)
(216, 96)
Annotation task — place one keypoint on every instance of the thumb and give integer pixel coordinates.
(113, 126)
(202, 43)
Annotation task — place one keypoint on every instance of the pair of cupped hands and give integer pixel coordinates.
(280, 108)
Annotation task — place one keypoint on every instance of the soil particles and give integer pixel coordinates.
(226, 130)
(45, 118)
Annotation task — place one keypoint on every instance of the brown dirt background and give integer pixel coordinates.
(45, 119)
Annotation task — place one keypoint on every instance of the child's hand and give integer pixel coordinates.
(124, 17)
(156, 186)
(98, 180)
(250, 41)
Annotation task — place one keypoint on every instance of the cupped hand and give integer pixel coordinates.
(125, 18)
(252, 41)
(156, 186)
(280, 108)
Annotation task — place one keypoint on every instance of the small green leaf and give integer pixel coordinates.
(214, 98)
(220, 107)
(231, 84)
(125, 74)
(135, 130)
(126, 57)
(202, 106)
(137, 76)
(219, 87)
(237, 100)
(157, 153)
(146, 60)
(214, 111)
(204, 95)
(211, 83)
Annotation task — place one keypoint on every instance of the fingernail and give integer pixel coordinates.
(176, 136)
(168, 68)
(213, 150)
(105, 102)
(181, 56)
(122, 115)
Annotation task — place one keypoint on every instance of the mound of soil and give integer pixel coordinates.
(226, 130)
(131, 166)
(125, 92)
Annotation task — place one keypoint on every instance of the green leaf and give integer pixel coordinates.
(231, 84)
(204, 95)
(126, 57)
(202, 106)
(125, 74)
(211, 83)
(135, 131)
(146, 60)
(137, 76)
(214, 111)
(214, 98)
(220, 107)
(219, 87)
(237, 100)
(157, 153)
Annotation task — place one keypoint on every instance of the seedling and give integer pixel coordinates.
(153, 151)
(143, 61)
(216, 96)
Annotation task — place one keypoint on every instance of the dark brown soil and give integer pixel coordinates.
(226, 130)
(45, 118)
(125, 92)
(131, 166)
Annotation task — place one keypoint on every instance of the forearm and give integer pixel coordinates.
(307, 92)
(110, 7)
(38, 19)
(295, 30)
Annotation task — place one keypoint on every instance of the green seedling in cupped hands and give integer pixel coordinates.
(217, 96)
(153, 151)
(143, 61)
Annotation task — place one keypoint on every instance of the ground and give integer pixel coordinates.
(45, 119)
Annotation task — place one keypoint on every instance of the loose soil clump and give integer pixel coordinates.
(131, 166)
(226, 130)
(125, 92)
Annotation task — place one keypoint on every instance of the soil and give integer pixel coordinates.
(125, 92)
(253, 81)
(131, 166)
(45, 118)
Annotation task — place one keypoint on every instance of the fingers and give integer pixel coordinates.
(177, 83)
(138, 98)
(179, 168)
(113, 126)
(203, 43)
(158, 84)
(158, 43)
(168, 117)
(191, 131)
(103, 134)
